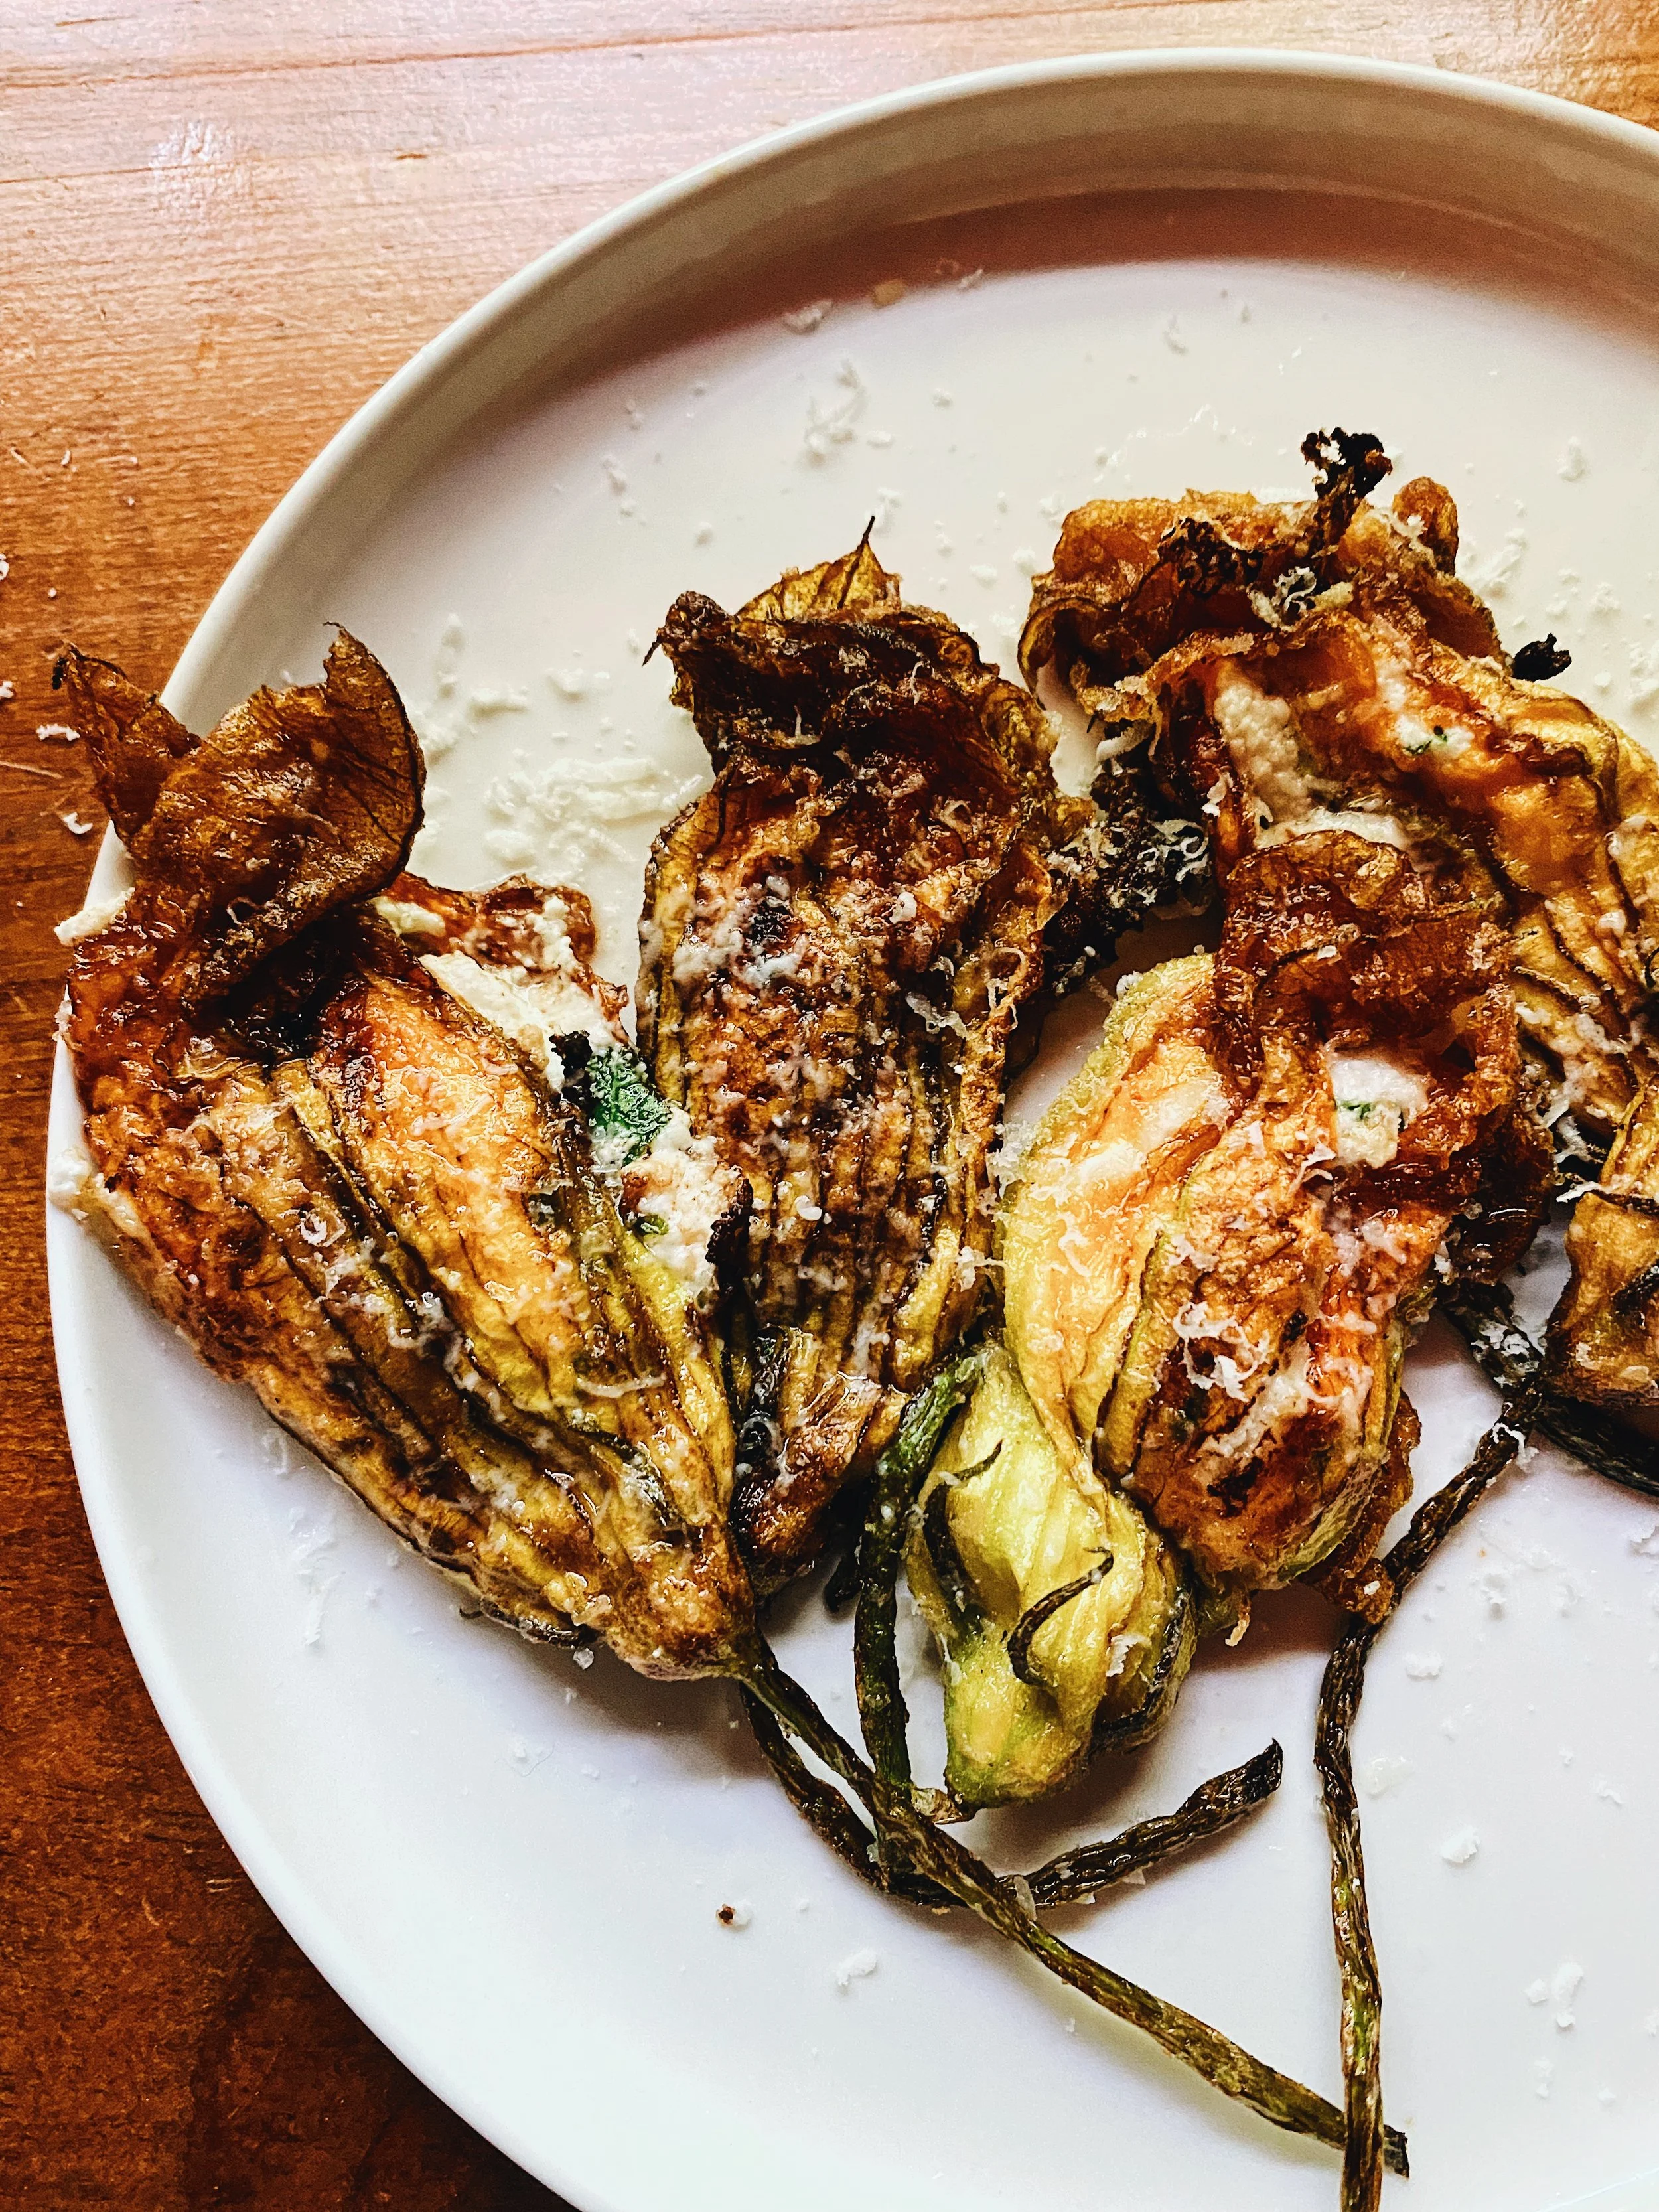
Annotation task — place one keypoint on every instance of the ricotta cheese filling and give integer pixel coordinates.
(531, 1006)
(1260, 737)
(679, 1182)
(1376, 1098)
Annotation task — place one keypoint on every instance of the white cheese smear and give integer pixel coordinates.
(1259, 734)
(1376, 1098)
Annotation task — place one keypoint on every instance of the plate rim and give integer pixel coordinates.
(377, 419)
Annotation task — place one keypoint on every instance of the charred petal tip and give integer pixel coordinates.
(1205, 559)
(1542, 658)
(1266, 1769)
(1351, 459)
(1034, 1617)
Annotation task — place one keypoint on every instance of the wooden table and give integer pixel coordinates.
(223, 223)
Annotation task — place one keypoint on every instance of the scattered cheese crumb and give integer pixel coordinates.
(1572, 464)
(1423, 1667)
(1459, 1849)
(1378, 1775)
(1564, 1987)
(803, 319)
(75, 826)
(1492, 577)
(58, 732)
(481, 704)
(1605, 1789)
(834, 425)
(856, 1968)
(1537, 1991)
(1494, 1587)
(67, 1169)
(1541, 2072)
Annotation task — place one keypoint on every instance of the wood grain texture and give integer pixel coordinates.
(221, 226)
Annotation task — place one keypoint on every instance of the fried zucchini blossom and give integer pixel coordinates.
(1439, 879)
(354, 1191)
(837, 942)
(1318, 665)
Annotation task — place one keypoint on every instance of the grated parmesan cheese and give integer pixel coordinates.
(96, 914)
(1260, 733)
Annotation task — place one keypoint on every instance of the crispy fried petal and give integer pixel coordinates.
(297, 803)
(1383, 703)
(1604, 1334)
(134, 743)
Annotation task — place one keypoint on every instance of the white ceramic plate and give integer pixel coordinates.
(512, 1867)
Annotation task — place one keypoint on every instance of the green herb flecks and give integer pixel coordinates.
(624, 1111)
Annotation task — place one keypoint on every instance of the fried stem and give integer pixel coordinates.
(894, 1488)
(1340, 1692)
(1484, 1316)
(1072, 1878)
(1213, 1806)
(941, 1858)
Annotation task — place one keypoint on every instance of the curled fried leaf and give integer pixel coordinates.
(133, 742)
